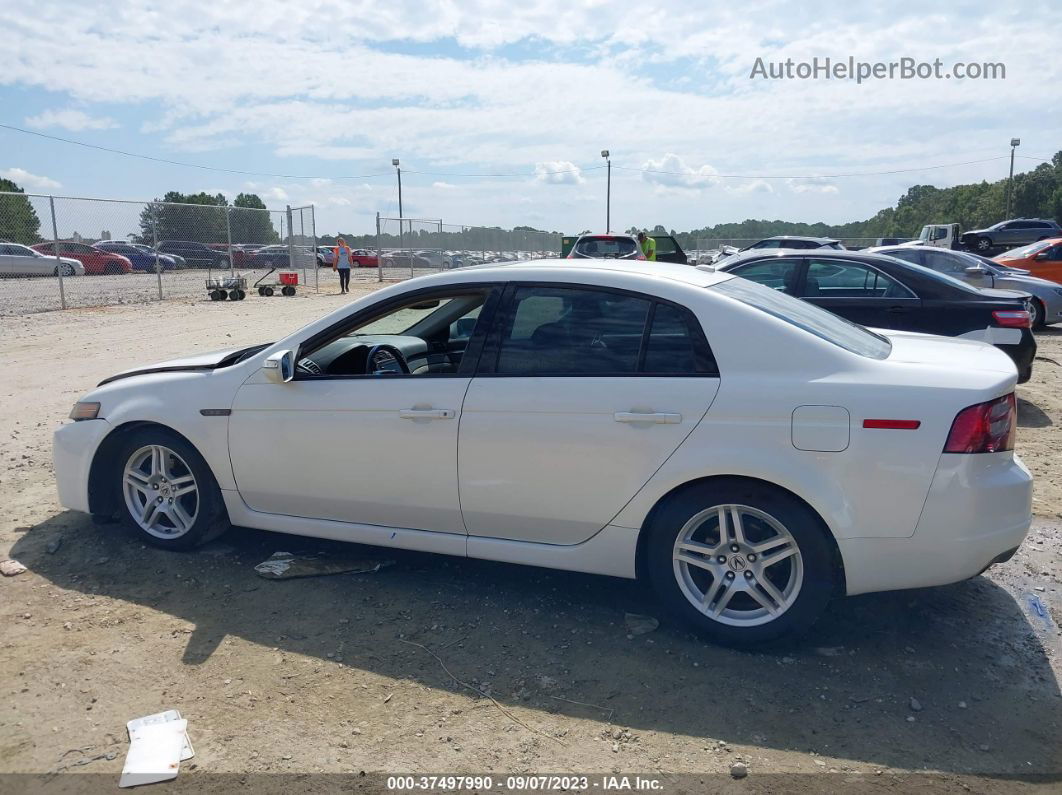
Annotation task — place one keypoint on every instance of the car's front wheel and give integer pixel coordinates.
(169, 495)
(744, 563)
(983, 244)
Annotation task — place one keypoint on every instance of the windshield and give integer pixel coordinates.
(606, 247)
(1026, 251)
(932, 274)
(812, 319)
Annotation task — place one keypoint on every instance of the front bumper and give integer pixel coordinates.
(74, 446)
(979, 507)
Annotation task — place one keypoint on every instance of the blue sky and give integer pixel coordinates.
(334, 91)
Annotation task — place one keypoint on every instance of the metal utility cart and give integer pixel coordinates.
(285, 284)
(232, 287)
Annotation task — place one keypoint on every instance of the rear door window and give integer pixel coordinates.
(837, 278)
(779, 274)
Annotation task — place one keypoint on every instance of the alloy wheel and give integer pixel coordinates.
(160, 492)
(738, 565)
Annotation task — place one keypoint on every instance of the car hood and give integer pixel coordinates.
(1018, 280)
(199, 361)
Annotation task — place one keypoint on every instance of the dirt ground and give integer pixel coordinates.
(947, 689)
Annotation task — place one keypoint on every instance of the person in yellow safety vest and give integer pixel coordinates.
(648, 246)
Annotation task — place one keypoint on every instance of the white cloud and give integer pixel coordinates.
(559, 172)
(752, 186)
(671, 171)
(277, 193)
(443, 185)
(812, 185)
(25, 179)
(74, 120)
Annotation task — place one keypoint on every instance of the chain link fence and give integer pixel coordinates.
(60, 252)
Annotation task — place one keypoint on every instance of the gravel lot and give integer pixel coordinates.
(943, 690)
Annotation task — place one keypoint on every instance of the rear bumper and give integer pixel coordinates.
(74, 446)
(979, 508)
(1023, 354)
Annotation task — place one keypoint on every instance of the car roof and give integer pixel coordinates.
(540, 269)
(803, 237)
(824, 253)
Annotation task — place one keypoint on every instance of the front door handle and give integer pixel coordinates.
(427, 414)
(896, 309)
(657, 418)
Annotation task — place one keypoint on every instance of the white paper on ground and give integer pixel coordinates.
(154, 753)
(187, 752)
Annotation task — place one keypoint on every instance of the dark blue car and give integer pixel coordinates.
(143, 261)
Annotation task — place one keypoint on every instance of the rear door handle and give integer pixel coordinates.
(427, 414)
(896, 309)
(658, 418)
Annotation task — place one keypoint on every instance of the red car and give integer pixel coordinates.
(96, 261)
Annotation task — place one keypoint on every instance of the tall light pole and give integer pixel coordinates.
(608, 193)
(398, 169)
(1014, 143)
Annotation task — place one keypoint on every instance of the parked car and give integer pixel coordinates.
(795, 241)
(278, 256)
(326, 255)
(1017, 232)
(139, 259)
(891, 241)
(606, 246)
(403, 259)
(1043, 259)
(178, 261)
(97, 261)
(888, 293)
(979, 271)
(19, 260)
(198, 255)
(365, 259)
(749, 454)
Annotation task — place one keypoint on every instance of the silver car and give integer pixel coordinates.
(19, 260)
(983, 272)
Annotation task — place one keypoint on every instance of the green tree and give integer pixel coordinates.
(250, 221)
(203, 224)
(19, 222)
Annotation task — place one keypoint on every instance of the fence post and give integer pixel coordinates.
(58, 262)
(410, 247)
(302, 235)
(155, 244)
(379, 252)
(291, 247)
(228, 238)
(316, 266)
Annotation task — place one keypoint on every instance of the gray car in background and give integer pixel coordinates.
(983, 272)
(1010, 234)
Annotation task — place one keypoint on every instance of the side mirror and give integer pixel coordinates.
(976, 270)
(280, 367)
(1041, 255)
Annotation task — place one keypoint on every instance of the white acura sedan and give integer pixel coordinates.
(750, 454)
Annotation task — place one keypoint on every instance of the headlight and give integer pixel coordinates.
(85, 411)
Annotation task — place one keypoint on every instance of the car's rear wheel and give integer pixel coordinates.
(744, 563)
(1039, 314)
(169, 496)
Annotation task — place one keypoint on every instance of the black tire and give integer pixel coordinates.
(112, 269)
(261, 290)
(267, 291)
(983, 244)
(288, 290)
(68, 270)
(816, 580)
(1039, 314)
(234, 295)
(217, 295)
(210, 518)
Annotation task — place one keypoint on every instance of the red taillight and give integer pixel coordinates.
(984, 428)
(1017, 318)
